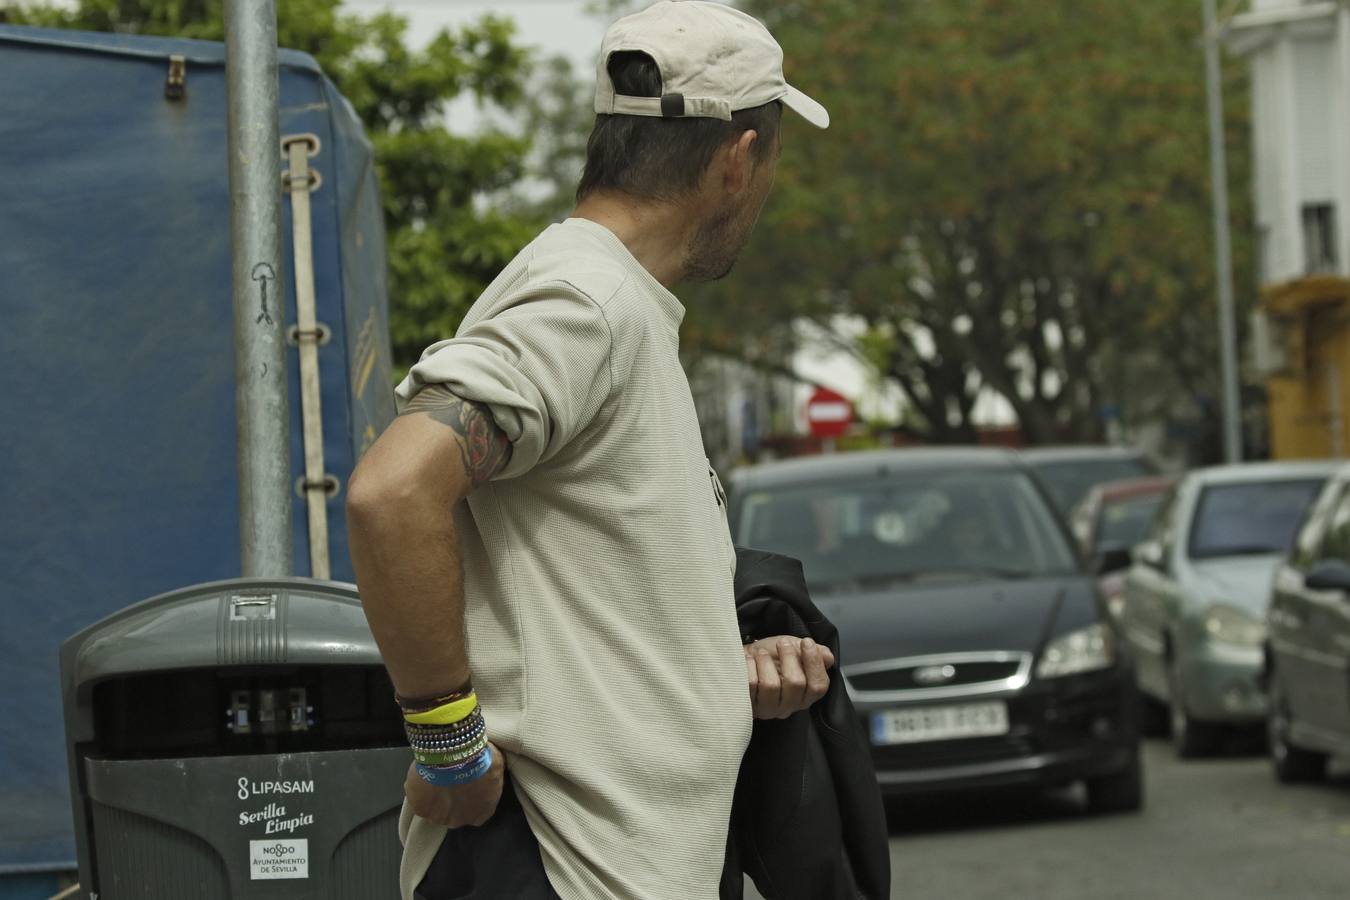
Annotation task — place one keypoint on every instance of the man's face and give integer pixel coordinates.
(726, 229)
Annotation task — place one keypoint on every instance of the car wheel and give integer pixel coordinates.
(1292, 764)
(1153, 717)
(1119, 792)
(1190, 738)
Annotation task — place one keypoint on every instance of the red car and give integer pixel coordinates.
(1112, 518)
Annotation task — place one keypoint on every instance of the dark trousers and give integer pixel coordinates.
(496, 861)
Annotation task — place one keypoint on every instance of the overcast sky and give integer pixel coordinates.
(556, 27)
(549, 27)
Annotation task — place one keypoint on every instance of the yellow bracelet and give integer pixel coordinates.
(446, 714)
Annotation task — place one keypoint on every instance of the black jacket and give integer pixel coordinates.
(807, 822)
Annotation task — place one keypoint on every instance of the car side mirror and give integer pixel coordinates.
(1113, 558)
(1149, 553)
(1329, 575)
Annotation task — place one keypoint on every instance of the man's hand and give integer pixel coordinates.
(787, 675)
(465, 804)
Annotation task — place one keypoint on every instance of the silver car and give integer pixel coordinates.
(1195, 598)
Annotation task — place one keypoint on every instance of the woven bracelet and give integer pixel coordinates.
(423, 704)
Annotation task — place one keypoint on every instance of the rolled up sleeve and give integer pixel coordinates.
(541, 366)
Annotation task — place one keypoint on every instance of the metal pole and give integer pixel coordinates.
(261, 400)
(1223, 250)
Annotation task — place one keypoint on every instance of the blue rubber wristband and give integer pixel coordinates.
(445, 777)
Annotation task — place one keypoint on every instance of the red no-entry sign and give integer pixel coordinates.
(828, 413)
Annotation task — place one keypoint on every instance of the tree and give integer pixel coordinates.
(1014, 194)
(445, 242)
(558, 114)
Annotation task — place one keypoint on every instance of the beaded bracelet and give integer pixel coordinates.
(467, 748)
(447, 746)
(467, 737)
(466, 730)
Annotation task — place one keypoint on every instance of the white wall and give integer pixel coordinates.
(1264, 5)
(1301, 133)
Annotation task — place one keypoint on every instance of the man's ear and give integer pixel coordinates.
(739, 162)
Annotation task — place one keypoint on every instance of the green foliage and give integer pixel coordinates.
(559, 113)
(443, 192)
(1013, 193)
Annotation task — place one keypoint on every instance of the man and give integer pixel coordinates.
(568, 632)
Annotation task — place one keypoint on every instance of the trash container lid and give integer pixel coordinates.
(241, 621)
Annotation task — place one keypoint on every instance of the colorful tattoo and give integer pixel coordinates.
(483, 446)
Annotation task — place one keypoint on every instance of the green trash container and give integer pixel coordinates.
(237, 739)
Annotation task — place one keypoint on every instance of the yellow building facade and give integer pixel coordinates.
(1307, 359)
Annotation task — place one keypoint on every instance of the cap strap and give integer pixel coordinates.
(671, 106)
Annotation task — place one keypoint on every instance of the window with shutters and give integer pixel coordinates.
(1319, 238)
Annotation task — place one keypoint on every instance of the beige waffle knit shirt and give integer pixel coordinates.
(598, 576)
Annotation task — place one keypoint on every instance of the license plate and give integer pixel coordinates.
(939, 723)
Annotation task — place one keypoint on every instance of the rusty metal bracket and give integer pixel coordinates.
(329, 484)
(313, 180)
(309, 138)
(321, 335)
(175, 84)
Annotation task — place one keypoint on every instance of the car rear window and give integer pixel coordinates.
(1249, 519)
(1070, 480)
(1125, 522)
(909, 527)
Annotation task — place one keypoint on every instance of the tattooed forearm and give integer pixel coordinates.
(483, 446)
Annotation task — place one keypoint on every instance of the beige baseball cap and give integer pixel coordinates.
(713, 59)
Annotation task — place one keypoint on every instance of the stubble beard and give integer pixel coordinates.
(716, 246)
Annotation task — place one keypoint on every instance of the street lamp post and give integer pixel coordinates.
(261, 400)
(1223, 250)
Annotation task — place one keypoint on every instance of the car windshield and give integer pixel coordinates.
(1255, 518)
(909, 527)
(1125, 522)
(1070, 480)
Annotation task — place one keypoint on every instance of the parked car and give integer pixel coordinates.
(1070, 472)
(1109, 522)
(974, 642)
(1196, 596)
(1308, 643)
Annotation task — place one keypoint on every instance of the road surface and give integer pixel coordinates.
(1215, 829)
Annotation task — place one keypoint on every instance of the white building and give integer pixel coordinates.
(1300, 55)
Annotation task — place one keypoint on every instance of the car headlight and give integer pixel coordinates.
(1230, 625)
(1078, 651)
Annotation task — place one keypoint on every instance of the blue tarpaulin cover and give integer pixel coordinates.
(118, 471)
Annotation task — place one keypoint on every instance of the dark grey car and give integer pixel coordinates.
(974, 643)
(1069, 472)
(1307, 653)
